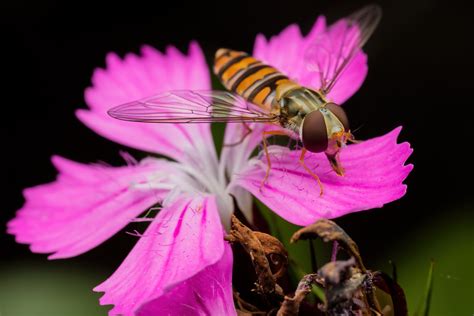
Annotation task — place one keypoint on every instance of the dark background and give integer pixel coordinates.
(419, 77)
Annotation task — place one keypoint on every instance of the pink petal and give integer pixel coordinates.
(207, 293)
(184, 239)
(85, 206)
(375, 170)
(236, 157)
(287, 51)
(136, 77)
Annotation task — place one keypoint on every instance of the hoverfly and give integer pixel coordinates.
(260, 93)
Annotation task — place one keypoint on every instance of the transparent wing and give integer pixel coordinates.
(186, 106)
(331, 53)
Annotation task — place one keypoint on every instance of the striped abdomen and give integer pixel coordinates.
(248, 77)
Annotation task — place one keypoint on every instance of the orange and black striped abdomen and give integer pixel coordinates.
(247, 76)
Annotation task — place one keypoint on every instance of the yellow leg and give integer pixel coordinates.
(350, 138)
(267, 155)
(354, 141)
(315, 176)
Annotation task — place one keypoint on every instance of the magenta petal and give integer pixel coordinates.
(375, 170)
(136, 77)
(207, 293)
(286, 51)
(85, 206)
(235, 158)
(184, 239)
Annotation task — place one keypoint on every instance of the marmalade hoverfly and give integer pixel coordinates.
(260, 93)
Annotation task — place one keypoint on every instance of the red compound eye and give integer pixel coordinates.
(314, 134)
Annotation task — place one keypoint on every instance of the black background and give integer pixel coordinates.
(419, 77)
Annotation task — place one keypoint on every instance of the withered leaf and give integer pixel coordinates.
(276, 253)
(343, 285)
(291, 305)
(258, 247)
(329, 231)
(384, 282)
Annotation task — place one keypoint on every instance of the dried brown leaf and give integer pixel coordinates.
(291, 305)
(275, 252)
(343, 282)
(258, 246)
(329, 231)
(384, 282)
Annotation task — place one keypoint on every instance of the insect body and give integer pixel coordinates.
(260, 93)
(320, 125)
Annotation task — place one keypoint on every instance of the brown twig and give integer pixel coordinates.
(291, 305)
(245, 308)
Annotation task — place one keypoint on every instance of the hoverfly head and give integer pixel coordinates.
(326, 130)
(313, 132)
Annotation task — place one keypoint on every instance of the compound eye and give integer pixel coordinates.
(340, 114)
(313, 133)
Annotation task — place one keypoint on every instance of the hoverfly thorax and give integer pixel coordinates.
(294, 103)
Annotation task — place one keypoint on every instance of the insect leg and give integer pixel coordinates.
(351, 139)
(247, 132)
(315, 176)
(265, 134)
(354, 141)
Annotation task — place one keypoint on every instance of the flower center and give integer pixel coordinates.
(195, 177)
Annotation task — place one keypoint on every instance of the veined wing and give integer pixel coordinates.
(188, 106)
(334, 50)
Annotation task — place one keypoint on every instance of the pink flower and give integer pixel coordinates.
(183, 247)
